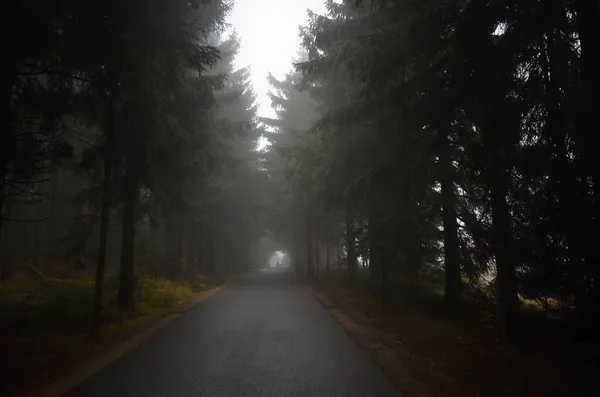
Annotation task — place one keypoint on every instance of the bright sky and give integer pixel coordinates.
(268, 30)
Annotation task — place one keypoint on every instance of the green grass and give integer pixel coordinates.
(64, 305)
(44, 323)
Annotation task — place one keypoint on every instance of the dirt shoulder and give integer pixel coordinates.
(63, 363)
(429, 357)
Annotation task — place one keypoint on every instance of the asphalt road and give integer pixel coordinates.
(261, 336)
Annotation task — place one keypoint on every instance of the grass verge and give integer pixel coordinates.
(436, 353)
(44, 347)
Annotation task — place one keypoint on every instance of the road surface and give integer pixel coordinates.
(261, 336)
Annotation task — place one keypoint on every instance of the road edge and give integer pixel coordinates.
(387, 353)
(121, 347)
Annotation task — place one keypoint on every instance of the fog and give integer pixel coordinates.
(435, 158)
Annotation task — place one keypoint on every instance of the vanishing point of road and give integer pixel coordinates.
(261, 336)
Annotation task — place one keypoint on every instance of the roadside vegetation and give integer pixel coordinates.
(430, 351)
(45, 321)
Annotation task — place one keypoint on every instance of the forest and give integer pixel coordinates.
(432, 156)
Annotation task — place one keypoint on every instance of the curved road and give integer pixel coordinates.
(261, 336)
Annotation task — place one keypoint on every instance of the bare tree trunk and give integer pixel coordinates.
(374, 238)
(384, 254)
(588, 20)
(310, 241)
(453, 290)
(130, 196)
(7, 248)
(192, 245)
(5, 143)
(350, 241)
(494, 131)
(317, 258)
(413, 260)
(3, 266)
(300, 256)
(210, 244)
(104, 216)
(327, 255)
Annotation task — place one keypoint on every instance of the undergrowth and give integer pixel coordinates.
(44, 322)
(63, 305)
(456, 353)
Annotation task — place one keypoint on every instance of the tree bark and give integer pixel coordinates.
(169, 264)
(3, 266)
(327, 255)
(310, 251)
(104, 217)
(299, 243)
(497, 155)
(6, 139)
(130, 196)
(453, 287)
(498, 126)
(588, 20)
(374, 238)
(7, 254)
(413, 260)
(350, 241)
(317, 243)
(191, 244)
(384, 254)
(210, 245)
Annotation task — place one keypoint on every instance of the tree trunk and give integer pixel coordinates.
(317, 242)
(210, 245)
(191, 243)
(169, 263)
(384, 253)
(573, 206)
(299, 243)
(253, 251)
(374, 238)
(350, 241)
(104, 217)
(497, 128)
(3, 266)
(179, 241)
(7, 249)
(6, 142)
(413, 260)
(130, 197)
(497, 177)
(453, 287)
(588, 20)
(502, 243)
(310, 251)
(327, 255)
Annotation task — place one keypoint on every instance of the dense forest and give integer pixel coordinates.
(415, 144)
(453, 140)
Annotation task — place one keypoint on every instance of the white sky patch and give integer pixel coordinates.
(268, 30)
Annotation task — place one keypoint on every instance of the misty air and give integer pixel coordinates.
(268, 198)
